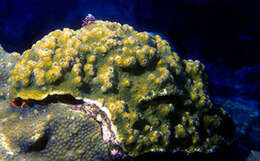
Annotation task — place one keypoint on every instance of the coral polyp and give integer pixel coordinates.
(146, 97)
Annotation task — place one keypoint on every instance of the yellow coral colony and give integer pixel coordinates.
(152, 96)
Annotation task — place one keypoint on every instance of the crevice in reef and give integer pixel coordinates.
(90, 108)
(140, 124)
(40, 144)
(144, 104)
(66, 99)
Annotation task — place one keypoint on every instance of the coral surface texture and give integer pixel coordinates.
(107, 84)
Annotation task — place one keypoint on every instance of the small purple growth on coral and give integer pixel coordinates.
(88, 20)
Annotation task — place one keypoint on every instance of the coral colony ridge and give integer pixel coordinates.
(130, 87)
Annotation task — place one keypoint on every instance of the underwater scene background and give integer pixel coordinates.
(221, 34)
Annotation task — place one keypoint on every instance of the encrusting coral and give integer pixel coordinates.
(149, 99)
(47, 133)
(7, 62)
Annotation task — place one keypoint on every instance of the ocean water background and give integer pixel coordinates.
(222, 34)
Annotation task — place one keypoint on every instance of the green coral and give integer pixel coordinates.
(46, 133)
(155, 99)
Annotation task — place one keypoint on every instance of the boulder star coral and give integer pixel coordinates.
(142, 94)
(47, 133)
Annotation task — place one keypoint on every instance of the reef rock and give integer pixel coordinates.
(143, 95)
(7, 62)
(254, 156)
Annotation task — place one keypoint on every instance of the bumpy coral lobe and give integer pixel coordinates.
(154, 97)
(53, 132)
